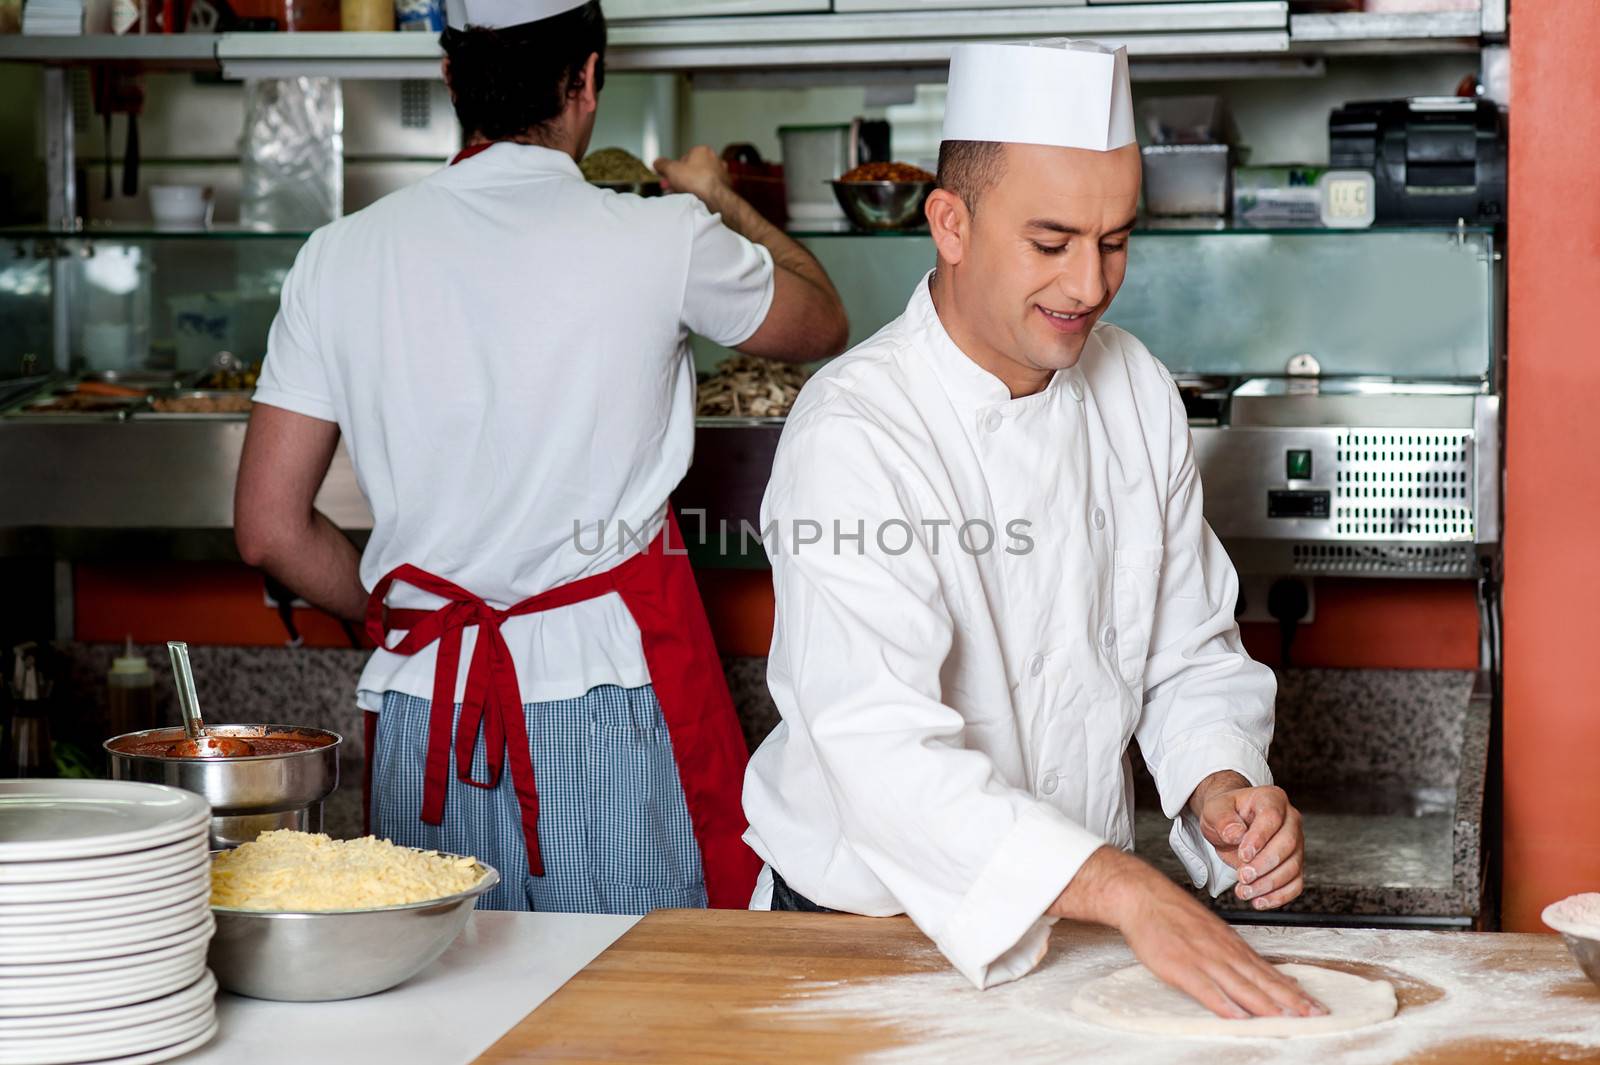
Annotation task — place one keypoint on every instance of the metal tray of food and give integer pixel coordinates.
(67, 403)
(197, 404)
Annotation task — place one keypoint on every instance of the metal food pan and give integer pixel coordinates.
(149, 410)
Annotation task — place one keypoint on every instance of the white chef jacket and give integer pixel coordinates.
(956, 721)
(505, 350)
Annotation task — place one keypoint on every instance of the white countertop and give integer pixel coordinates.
(501, 967)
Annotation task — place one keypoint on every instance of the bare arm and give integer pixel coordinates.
(275, 521)
(807, 320)
(1179, 940)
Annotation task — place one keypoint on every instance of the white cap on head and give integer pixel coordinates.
(1071, 94)
(498, 14)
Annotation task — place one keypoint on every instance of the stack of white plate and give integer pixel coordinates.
(104, 922)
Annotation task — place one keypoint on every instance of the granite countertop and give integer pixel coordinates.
(1392, 831)
(1387, 766)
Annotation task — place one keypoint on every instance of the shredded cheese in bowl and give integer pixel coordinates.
(284, 870)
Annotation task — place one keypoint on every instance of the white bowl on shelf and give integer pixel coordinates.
(182, 206)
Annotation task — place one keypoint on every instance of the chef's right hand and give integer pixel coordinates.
(1184, 944)
(699, 173)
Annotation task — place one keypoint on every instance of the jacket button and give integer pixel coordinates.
(1048, 784)
(1099, 518)
(992, 422)
(1035, 665)
(1108, 638)
(1075, 386)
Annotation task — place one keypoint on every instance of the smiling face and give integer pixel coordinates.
(1023, 279)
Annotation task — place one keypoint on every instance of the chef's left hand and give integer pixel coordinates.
(1258, 833)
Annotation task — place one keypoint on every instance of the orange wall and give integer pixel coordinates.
(1551, 840)
(197, 602)
(222, 603)
(1360, 624)
(1381, 624)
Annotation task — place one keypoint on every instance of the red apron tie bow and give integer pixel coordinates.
(657, 587)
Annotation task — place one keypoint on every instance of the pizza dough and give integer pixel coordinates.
(1134, 1000)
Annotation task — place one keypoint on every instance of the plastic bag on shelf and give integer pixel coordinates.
(292, 153)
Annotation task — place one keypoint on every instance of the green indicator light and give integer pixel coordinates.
(1299, 465)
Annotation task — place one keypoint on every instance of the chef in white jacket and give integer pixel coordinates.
(992, 573)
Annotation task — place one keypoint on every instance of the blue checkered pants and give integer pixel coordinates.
(613, 825)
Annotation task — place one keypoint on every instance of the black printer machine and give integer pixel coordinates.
(1433, 158)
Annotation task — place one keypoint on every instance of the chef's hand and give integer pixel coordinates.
(1257, 832)
(1180, 941)
(699, 173)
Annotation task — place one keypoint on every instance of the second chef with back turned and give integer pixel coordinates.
(503, 349)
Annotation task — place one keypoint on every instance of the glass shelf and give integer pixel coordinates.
(148, 231)
(1151, 227)
(1178, 227)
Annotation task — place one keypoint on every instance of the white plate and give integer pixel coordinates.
(72, 870)
(177, 948)
(42, 820)
(130, 936)
(96, 1046)
(120, 987)
(176, 1007)
(111, 886)
(17, 917)
(200, 932)
(117, 928)
(165, 1053)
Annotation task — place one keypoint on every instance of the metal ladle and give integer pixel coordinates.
(198, 744)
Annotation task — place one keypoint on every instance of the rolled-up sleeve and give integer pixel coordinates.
(294, 374)
(863, 632)
(1207, 706)
(730, 282)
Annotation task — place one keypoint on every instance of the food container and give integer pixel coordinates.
(367, 16)
(182, 206)
(758, 181)
(1278, 194)
(299, 956)
(884, 205)
(73, 404)
(812, 157)
(248, 796)
(197, 404)
(1187, 179)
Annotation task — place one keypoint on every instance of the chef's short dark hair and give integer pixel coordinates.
(967, 168)
(516, 80)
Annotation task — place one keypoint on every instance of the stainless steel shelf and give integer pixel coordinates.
(154, 51)
(846, 37)
(1361, 26)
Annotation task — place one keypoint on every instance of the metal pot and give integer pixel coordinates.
(248, 796)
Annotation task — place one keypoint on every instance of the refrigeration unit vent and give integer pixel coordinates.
(416, 104)
(1403, 485)
(1430, 560)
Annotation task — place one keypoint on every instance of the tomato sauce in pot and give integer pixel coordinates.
(262, 745)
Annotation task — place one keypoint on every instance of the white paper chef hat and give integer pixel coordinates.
(1073, 94)
(498, 14)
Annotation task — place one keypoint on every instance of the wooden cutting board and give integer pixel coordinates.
(701, 987)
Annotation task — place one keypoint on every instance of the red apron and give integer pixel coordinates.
(657, 586)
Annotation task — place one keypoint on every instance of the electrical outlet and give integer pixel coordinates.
(1254, 588)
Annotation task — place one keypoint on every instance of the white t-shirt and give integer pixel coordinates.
(505, 350)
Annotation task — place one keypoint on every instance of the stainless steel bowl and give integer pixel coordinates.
(248, 796)
(334, 954)
(1586, 952)
(638, 188)
(883, 205)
